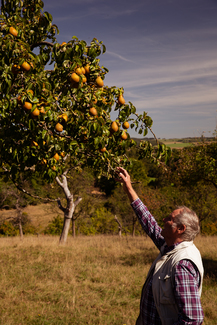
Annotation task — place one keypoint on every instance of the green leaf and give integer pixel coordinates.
(104, 48)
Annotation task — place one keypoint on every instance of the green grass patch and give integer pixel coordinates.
(178, 145)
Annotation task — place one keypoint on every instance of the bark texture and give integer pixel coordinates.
(70, 208)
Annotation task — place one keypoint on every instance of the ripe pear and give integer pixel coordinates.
(93, 111)
(25, 66)
(56, 156)
(121, 100)
(35, 113)
(114, 127)
(13, 31)
(99, 82)
(124, 135)
(74, 77)
(126, 125)
(78, 71)
(59, 127)
(27, 105)
(87, 68)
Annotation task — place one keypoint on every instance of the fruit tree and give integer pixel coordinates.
(55, 105)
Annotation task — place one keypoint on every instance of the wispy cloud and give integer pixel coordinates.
(89, 8)
(119, 56)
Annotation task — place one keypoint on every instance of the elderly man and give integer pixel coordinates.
(171, 293)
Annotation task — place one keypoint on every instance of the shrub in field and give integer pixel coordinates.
(100, 222)
(54, 227)
(8, 229)
(209, 228)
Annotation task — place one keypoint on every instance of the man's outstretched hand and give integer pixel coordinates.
(124, 178)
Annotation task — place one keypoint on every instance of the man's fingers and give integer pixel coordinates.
(122, 171)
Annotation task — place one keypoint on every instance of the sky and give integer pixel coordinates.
(162, 52)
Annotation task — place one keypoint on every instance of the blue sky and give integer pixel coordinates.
(162, 52)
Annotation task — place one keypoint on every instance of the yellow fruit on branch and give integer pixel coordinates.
(99, 82)
(83, 70)
(27, 106)
(121, 100)
(54, 167)
(42, 110)
(65, 117)
(102, 149)
(25, 66)
(74, 77)
(59, 127)
(84, 79)
(78, 71)
(62, 154)
(93, 111)
(87, 68)
(19, 99)
(56, 156)
(126, 125)
(124, 135)
(44, 161)
(114, 127)
(63, 43)
(30, 91)
(35, 113)
(34, 144)
(13, 31)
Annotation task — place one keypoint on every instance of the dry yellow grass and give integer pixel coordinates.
(40, 214)
(91, 280)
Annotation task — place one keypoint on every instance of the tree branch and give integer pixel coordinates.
(60, 205)
(41, 43)
(34, 196)
(77, 201)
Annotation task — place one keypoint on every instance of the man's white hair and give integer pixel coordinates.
(188, 218)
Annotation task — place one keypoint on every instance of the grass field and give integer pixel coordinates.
(92, 280)
(178, 145)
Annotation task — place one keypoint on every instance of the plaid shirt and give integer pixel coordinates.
(187, 279)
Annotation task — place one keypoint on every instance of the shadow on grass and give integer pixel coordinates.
(139, 258)
(210, 268)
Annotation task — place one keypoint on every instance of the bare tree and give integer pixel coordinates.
(69, 210)
(119, 226)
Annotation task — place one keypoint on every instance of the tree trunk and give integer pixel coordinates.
(73, 228)
(119, 226)
(65, 230)
(69, 210)
(19, 217)
(134, 227)
(20, 228)
(133, 232)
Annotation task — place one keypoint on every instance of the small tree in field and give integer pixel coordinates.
(52, 120)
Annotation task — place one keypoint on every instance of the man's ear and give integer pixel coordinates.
(181, 229)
